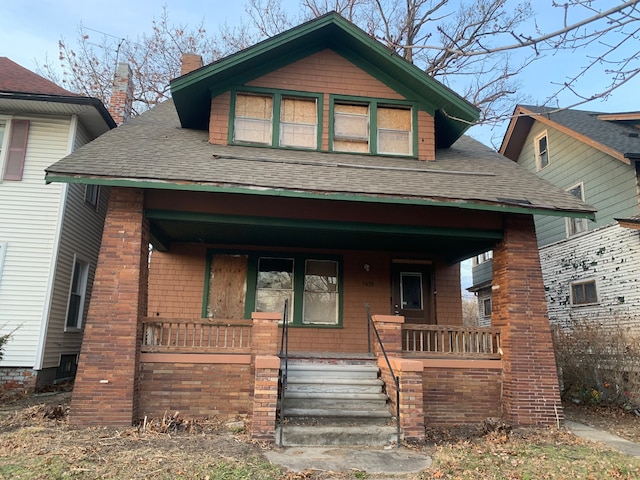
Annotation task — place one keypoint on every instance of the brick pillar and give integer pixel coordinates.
(390, 329)
(106, 386)
(531, 395)
(265, 398)
(265, 337)
(411, 398)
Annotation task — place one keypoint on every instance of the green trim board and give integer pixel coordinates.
(364, 198)
(192, 92)
(299, 272)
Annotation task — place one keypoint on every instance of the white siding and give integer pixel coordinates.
(28, 217)
(609, 255)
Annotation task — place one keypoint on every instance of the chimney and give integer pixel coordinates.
(190, 62)
(121, 102)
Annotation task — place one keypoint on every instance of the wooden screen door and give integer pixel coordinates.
(412, 296)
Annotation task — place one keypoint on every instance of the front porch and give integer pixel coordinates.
(233, 367)
(152, 344)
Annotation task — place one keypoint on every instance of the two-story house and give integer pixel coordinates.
(49, 234)
(319, 170)
(589, 267)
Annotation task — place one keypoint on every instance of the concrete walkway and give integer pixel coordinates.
(372, 460)
(595, 435)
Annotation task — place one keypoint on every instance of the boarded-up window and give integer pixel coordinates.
(298, 122)
(351, 128)
(17, 149)
(227, 286)
(320, 292)
(253, 118)
(394, 130)
(275, 284)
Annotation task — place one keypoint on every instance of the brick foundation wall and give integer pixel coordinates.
(195, 390)
(324, 72)
(106, 386)
(462, 395)
(17, 379)
(531, 396)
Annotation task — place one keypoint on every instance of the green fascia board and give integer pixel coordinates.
(347, 197)
(192, 92)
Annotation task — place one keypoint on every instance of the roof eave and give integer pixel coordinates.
(509, 208)
(73, 100)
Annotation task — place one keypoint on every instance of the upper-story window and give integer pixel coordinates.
(13, 148)
(541, 143)
(372, 127)
(276, 119)
(92, 195)
(577, 225)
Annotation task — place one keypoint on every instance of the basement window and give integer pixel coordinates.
(584, 293)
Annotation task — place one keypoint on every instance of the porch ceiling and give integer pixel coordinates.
(454, 244)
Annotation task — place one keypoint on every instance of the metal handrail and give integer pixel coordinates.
(284, 351)
(393, 375)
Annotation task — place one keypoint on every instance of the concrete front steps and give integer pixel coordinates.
(331, 401)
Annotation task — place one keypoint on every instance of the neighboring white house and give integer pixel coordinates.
(49, 234)
(590, 269)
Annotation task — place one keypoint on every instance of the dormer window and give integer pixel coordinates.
(372, 127)
(276, 119)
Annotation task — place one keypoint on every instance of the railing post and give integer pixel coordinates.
(265, 333)
(265, 397)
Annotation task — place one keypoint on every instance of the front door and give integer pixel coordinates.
(412, 296)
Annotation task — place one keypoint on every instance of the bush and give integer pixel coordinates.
(4, 338)
(598, 363)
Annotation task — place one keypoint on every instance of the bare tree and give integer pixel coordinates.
(88, 67)
(479, 48)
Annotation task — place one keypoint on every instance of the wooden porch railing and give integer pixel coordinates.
(196, 336)
(451, 341)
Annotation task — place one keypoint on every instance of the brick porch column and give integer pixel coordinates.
(531, 396)
(106, 386)
(265, 398)
(265, 345)
(390, 329)
(409, 374)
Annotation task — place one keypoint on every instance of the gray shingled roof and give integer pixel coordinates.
(152, 148)
(620, 136)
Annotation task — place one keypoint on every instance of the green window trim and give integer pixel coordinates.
(299, 260)
(277, 96)
(374, 104)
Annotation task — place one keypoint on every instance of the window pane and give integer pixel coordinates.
(543, 155)
(298, 122)
(351, 128)
(394, 118)
(394, 141)
(578, 296)
(275, 285)
(320, 292)
(73, 315)
(253, 118)
(590, 295)
(296, 135)
(411, 291)
(275, 273)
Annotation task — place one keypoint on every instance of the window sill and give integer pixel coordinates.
(72, 330)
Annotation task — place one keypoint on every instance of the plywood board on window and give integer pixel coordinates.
(299, 110)
(394, 118)
(227, 286)
(254, 106)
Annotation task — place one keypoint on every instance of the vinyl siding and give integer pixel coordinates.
(28, 218)
(609, 184)
(610, 256)
(81, 235)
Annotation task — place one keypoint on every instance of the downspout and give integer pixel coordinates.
(46, 310)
